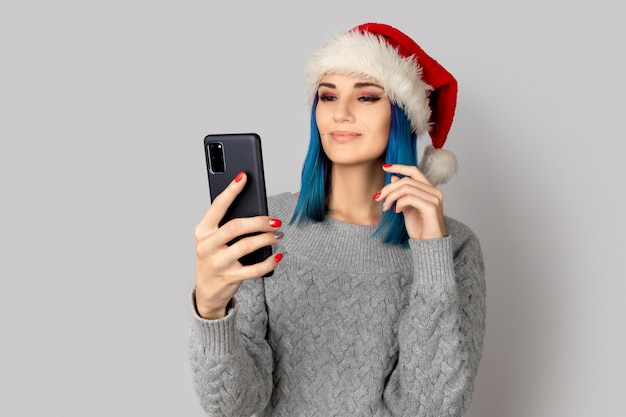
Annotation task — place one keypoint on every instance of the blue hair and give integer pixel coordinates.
(315, 178)
(401, 149)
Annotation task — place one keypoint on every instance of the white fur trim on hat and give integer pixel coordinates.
(356, 53)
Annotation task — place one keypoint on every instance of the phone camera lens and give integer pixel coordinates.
(216, 157)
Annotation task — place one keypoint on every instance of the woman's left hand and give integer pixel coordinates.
(417, 199)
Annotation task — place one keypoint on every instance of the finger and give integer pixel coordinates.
(423, 219)
(407, 171)
(417, 199)
(222, 202)
(225, 259)
(400, 187)
(233, 270)
(249, 244)
(245, 226)
(379, 196)
(233, 229)
(384, 195)
(259, 269)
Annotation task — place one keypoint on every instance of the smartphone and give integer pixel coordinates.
(226, 156)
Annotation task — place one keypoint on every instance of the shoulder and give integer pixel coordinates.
(282, 205)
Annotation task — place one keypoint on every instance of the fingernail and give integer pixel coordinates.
(278, 234)
(239, 177)
(278, 257)
(376, 196)
(275, 222)
(386, 165)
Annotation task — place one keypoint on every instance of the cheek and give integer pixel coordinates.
(383, 125)
(319, 119)
(322, 111)
(387, 120)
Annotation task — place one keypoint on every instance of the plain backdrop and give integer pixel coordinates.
(103, 108)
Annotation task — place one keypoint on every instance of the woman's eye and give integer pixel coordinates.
(327, 97)
(369, 99)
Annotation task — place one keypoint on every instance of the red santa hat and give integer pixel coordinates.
(411, 79)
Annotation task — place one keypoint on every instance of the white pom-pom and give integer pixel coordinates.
(438, 165)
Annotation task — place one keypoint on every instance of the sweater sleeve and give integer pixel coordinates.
(231, 362)
(441, 331)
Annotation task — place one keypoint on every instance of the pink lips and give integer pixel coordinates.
(343, 136)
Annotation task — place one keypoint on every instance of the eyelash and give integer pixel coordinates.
(363, 99)
(369, 99)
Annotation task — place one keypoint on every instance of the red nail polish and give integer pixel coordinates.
(376, 196)
(278, 257)
(239, 177)
(386, 165)
(275, 222)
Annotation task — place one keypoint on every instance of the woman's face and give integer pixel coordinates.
(353, 117)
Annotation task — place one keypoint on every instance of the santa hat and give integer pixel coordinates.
(411, 79)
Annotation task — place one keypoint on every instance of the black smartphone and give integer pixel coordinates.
(226, 156)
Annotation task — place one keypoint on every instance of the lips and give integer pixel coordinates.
(343, 136)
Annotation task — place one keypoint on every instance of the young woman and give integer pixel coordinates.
(376, 306)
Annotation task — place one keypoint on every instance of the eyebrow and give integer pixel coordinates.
(356, 85)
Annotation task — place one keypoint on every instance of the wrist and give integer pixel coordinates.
(208, 312)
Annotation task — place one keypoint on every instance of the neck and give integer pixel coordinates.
(351, 192)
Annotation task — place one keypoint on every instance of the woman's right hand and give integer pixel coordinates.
(218, 270)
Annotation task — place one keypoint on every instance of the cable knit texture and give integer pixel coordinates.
(348, 326)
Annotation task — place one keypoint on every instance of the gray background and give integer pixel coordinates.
(103, 107)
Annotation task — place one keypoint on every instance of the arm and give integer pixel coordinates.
(231, 363)
(230, 359)
(441, 330)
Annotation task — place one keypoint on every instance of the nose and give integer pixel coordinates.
(343, 111)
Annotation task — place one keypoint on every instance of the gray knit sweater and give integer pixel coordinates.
(348, 326)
